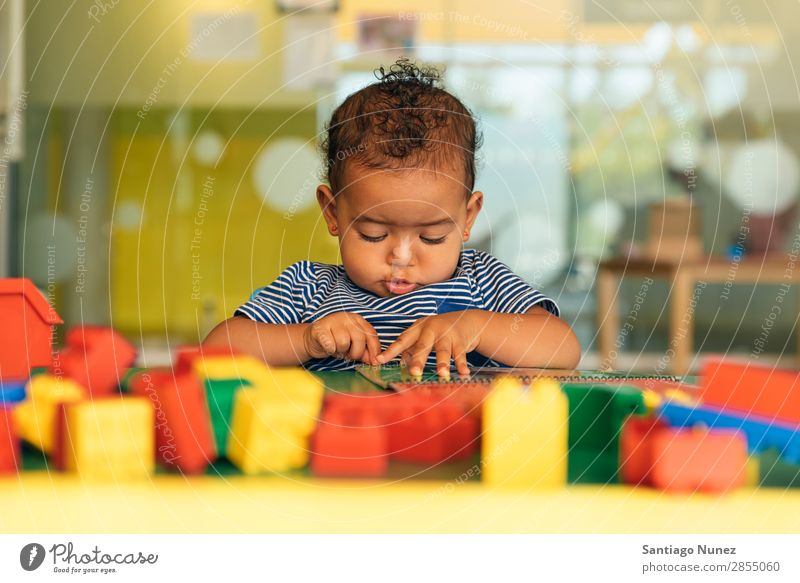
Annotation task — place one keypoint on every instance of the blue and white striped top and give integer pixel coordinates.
(307, 291)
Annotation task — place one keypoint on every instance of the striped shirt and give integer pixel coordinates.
(307, 291)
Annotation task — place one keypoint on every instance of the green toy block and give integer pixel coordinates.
(596, 414)
(776, 473)
(220, 395)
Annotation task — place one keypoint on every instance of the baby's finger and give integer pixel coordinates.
(325, 339)
(404, 341)
(342, 340)
(420, 352)
(358, 345)
(373, 342)
(460, 358)
(443, 353)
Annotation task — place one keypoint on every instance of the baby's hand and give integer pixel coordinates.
(451, 335)
(343, 335)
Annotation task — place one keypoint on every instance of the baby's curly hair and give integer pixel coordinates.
(405, 120)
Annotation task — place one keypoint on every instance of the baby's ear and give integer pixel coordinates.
(474, 206)
(327, 202)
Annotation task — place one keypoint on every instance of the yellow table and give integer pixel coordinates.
(38, 502)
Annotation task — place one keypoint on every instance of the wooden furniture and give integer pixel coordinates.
(683, 278)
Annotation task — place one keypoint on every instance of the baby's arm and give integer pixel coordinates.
(342, 334)
(536, 338)
(275, 344)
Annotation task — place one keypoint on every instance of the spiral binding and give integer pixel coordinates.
(525, 379)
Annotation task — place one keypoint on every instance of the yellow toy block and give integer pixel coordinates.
(35, 416)
(753, 472)
(110, 438)
(525, 435)
(267, 436)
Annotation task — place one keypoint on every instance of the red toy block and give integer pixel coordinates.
(681, 460)
(349, 442)
(9, 443)
(184, 436)
(635, 448)
(751, 388)
(26, 331)
(96, 357)
(707, 460)
(426, 431)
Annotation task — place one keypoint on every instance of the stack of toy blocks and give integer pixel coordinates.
(359, 433)
(681, 460)
(761, 402)
(26, 323)
(596, 415)
(273, 419)
(525, 435)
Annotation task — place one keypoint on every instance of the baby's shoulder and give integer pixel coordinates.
(307, 272)
(477, 263)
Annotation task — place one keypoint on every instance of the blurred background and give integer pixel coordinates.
(159, 159)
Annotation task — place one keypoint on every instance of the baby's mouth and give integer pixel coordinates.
(399, 286)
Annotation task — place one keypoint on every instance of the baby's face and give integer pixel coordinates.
(399, 230)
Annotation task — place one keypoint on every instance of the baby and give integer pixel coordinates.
(401, 168)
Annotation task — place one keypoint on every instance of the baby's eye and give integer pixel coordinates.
(372, 239)
(430, 241)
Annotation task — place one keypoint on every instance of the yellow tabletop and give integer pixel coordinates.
(42, 502)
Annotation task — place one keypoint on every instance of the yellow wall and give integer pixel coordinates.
(243, 244)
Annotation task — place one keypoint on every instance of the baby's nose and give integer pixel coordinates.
(401, 254)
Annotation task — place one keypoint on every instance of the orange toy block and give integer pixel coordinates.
(26, 331)
(751, 388)
(96, 357)
(9, 443)
(682, 460)
(184, 437)
(349, 442)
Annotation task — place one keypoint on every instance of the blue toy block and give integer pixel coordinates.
(762, 433)
(12, 391)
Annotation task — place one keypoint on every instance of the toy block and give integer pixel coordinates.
(762, 433)
(110, 438)
(775, 472)
(635, 448)
(26, 333)
(690, 460)
(184, 438)
(747, 387)
(96, 357)
(753, 472)
(10, 454)
(35, 417)
(681, 460)
(12, 391)
(525, 435)
(350, 443)
(430, 431)
(596, 415)
(220, 395)
(267, 435)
